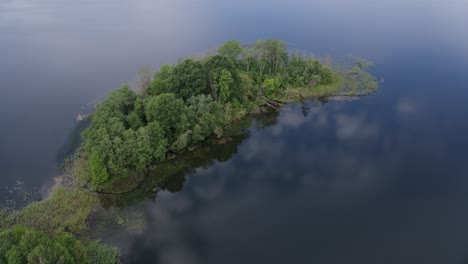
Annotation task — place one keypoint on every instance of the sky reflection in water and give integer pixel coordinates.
(332, 187)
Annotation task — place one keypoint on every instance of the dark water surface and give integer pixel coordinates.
(380, 180)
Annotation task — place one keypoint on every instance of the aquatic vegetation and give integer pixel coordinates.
(66, 210)
(101, 253)
(76, 169)
(43, 232)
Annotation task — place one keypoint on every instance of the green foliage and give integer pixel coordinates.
(359, 82)
(65, 210)
(230, 49)
(118, 104)
(200, 114)
(224, 82)
(302, 72)
(160, 83)
(270, 55)
(79, 170)
(99, 253)
(327, 75)
(24, 245)
(246, 87)
(275, 54)
(168, 111)
(181, 142)
(271, 87)
(188, 78)
(158, 141)
(98, 169)
(187, 102)
(102, 138)
(222, 75)
(136, 148)
(134, 120)
(4, 219)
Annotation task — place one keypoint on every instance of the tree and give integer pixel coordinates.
(169, 112)
(160, 83)
(187, 79)
(157, 140)
(200, 116)
(248, 59)
(307, 72)
(275, 53)
(118, 104)
(215, 65)
(230, 49)
(137, 148)
(358, 81)
(247, 89)
(133, 120)
(271, 87)
(225, 81)
(259, 54)
(23, 245)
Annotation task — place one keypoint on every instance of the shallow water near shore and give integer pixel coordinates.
(382, 179)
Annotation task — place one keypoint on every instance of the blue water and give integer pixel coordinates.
(379, 180)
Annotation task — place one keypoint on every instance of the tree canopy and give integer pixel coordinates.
(188, 101)
(231, 49)
(23, 245)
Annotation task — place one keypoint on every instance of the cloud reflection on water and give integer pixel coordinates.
(272, 168)
(305, 188)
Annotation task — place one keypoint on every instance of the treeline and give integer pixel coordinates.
(182, 104)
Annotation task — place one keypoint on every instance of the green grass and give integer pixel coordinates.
(65, 210)
(354, 82)
(78, 171)
(123, 183)
(101, 253)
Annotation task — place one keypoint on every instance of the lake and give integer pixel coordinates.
(383, 179)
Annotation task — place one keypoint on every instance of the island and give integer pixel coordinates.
(185, 103)
(136, 134)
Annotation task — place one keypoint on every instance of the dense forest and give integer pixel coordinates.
(183, 104)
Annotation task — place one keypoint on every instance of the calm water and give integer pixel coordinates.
(380, 180)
